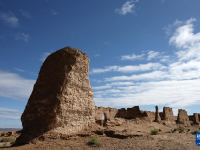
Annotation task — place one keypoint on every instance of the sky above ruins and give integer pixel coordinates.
(141, 52)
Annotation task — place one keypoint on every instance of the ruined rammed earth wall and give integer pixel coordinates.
(183, 118)
(168, 114)
(130, 113)
(195, 118)
(62, 98)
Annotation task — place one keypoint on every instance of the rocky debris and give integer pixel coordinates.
(4, 134)
(11, 133)
(183, 118)
(62, 98)
(157, 116)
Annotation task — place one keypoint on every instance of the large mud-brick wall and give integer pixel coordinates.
(62, 98)
(183, 118)
(195, 118)
(130, 113)
(168, 114)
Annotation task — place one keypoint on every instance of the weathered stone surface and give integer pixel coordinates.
(62, 98)
(168, 114)
(183, 118)
(157, 115)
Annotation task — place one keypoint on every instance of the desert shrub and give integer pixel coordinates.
(154, 132)
(4, 144)
(12, 142)
(179, 129)
(8, 139)
(94, 141)
(194, 132)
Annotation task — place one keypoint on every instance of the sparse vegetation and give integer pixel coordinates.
(154, 132)
(7, 139)
(194, 132)
(179, 129)
(4, 144)
(94, 141)
(12, 142)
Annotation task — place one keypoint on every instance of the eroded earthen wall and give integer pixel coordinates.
(168, 114)
(130, 113)
(62, 98)
(183, 118)
(195, 118)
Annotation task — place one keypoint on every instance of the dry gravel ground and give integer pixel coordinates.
(168, 141)
(163, 141)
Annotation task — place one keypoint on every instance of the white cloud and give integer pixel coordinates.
(101, 87)
(177, 85)
(20, 70)
(169, 29)
(155, 75)
(128, 7)
(128, 69)
(9, 19)
(132, 57)
(53, 12)
(25, 14)
(44, 56)
(170, 93)
(184, 37)
(22, 36)
(14, 86)
(152, 55)
(6, 113)
(97, 55)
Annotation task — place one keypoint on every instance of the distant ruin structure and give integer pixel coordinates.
(157, 115)
(183, 118)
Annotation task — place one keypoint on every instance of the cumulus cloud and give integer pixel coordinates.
(25, 14)
(13, 114)
(169, 29)
(132, 57)
(14, 86)
(9, 19)
(152, 55)
(177, 85)
(128, 7)
(44, 56)
(128, 69)
(22, 36)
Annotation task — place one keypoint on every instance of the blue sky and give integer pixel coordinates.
(141, 52)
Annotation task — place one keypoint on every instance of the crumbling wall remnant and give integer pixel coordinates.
(62, 98)
(183, 118)
(168, 114)
(157, 115)
(131, 113)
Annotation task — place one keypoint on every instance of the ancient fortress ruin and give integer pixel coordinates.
(62, 101)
